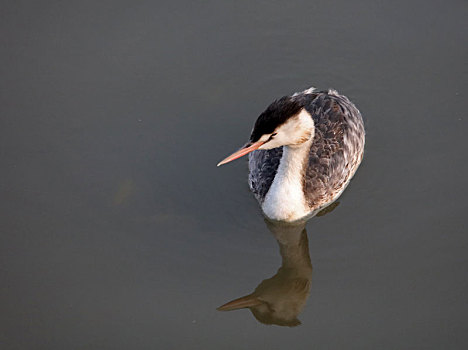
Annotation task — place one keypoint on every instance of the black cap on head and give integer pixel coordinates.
(276, 114)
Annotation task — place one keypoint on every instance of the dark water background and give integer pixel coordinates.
(117, 231)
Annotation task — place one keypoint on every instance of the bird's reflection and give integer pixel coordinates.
(279, 299)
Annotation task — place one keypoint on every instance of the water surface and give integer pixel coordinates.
(118, 231)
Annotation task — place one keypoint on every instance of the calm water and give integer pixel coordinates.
(118, 231)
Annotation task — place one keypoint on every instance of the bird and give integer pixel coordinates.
(281, 298)
(303, 151)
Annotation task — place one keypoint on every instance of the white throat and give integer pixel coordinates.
(285, 199)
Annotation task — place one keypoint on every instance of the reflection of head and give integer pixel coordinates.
(279, 299)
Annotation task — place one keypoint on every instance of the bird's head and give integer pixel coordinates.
(285, 122)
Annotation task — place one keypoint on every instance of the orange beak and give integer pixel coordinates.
(249, 147)
(240, 303)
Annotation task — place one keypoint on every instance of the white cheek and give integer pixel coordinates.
(290, 133)
(266, 146)
(264, 138)
(278, 140)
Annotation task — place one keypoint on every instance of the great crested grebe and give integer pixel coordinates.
(281, 298)
(304, 149)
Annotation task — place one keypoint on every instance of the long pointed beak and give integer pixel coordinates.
(249, 147)
(240, 303)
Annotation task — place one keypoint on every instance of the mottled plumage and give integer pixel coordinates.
(335, 152)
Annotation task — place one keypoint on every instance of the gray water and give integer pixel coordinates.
(117, 231)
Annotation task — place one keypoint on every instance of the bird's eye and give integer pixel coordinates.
(272, 135)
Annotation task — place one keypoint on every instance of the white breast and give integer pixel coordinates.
(285, 199)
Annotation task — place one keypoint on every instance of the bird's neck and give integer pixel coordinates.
(295, 254)
(285, 199)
